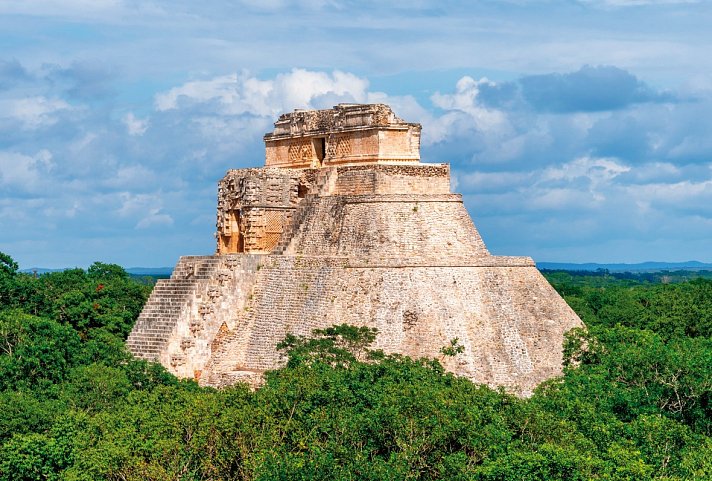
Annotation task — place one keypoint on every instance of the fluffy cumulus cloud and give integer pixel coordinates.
(582, 164)
(237, 94)
(592, 164)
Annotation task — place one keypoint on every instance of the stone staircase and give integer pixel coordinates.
(325, 181)
(168, 299)
(323, 186)
(293, 226)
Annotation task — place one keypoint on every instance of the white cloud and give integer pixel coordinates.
(465, 99)
(598, 170)
(685, 194)
(299, 88)
(237, 94)
(25, 173)
(134, 205)
(132, 177)
(146, 209)
(560, 199)
(134, 125)
(223, 88)
(62, 8)
(653, 172)
(33, 112)
(154, 219)
(492, 181)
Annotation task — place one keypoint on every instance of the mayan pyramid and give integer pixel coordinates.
(344, 224)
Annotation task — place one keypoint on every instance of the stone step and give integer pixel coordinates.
(169, 298)
(144, 343)
(177, 288)
(150, 331)
(167, 308)
(146, 349)
(171, 295)
(156, 323)
(145, 346)
(149, 335)
(149, 327)
(173, 304)
(156, 316)
(152, 334)
(157, 320)
(147, 356)
(173, 292)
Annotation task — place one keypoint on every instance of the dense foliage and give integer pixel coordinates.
(635, 401)
(676, 310)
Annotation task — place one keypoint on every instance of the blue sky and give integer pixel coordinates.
(577, 131)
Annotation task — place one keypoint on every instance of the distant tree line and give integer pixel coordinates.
(672, 310)
(634, 403)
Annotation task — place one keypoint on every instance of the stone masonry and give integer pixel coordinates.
(345, 225)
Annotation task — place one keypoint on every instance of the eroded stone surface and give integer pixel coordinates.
(355, 239)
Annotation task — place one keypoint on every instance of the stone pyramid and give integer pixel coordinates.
(345, 225)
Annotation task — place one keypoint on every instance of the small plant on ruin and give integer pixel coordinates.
(453, 349)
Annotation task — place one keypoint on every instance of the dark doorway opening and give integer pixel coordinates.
(320, 148)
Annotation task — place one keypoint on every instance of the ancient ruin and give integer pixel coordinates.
(344, 224)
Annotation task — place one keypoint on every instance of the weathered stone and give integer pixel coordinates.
(364, 235)
(346, 134)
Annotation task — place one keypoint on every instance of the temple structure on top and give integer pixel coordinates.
(347, 134)
(344, 224)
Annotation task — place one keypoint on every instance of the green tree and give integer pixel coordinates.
(35, 351)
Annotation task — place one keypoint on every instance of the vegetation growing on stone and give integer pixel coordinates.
(635, 400)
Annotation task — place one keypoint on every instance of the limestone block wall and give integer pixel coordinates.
(399, 145)
(509, 319)
(395, 225)
(301, 152)
(393, 179)
(352, 147)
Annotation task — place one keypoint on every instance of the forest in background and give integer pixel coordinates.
(634, 402)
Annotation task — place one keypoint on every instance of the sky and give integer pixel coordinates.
(577, 131)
